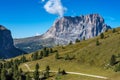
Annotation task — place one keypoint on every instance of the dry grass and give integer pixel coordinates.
(89, 58)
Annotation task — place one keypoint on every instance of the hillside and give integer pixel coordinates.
(88, 58)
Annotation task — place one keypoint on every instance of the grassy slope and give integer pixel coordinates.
(89, 58)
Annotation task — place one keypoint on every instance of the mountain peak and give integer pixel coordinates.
(69, 28)
(2, 27)
(7, 48)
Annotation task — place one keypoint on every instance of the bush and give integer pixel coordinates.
(113, 60)
(63, 72)
(57, 55)
(106, 30)
(77, 40)
(84, 38)
(97, 43)
(113, 30)
(117, 68)
(70, 43)
(67, 57)
(101, 35)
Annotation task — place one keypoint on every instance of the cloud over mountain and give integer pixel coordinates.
(55, 7)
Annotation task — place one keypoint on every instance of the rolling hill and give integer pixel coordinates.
(88, 57)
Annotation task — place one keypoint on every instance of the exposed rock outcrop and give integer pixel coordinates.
(69, 28)
(64, 30)
(7, 49)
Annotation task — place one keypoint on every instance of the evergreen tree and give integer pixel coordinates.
(1, 66)
(46, 52)
(35, 56)
(101, 35)
(21, 71)
(36, 73)
(44, 49)
(113, 30)
(67, 57)
(84, 38)
(3, 74)
(59, 71)
(113, 60)
(117, 67)
(16, 74)
(51, 50)
(47, 71)
(41, 55)
(97, 43)
(70, 43)
(32, 57)
(23, 59)
(28, 77)
(77, 40)
(63, 72)
(11, 73)
(57, 55)
(106, 30)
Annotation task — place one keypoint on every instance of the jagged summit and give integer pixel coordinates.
(69, 28)
(64, 30)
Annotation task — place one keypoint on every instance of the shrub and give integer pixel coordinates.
(77, 40)
(97, 43)
(67, 57)
(117, 68)
(57, 55)
(113, 60)
(101, 35)
(70, 43)
(113, 30)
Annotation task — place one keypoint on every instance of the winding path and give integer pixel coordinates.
(76, 73)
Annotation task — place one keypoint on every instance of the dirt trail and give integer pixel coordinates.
(76, 73)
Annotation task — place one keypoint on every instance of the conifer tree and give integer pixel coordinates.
(97, 43)
(51, 50)
(113, 30)
(112, 60)
(23, 59)
(41, 55)
(57, 55)
(36, 73)
(77, 40)
(28, 77)
(101, 35)
(47, 71)
(16, 74)
(70, 43)
(3, 74)
(67, 57)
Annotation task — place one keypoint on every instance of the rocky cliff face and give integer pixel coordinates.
(68, 28)
(7, 48)
(64, 30)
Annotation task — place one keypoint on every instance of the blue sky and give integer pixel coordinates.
(27, 18)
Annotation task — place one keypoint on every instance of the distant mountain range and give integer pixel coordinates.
(7, 48)
(64, 30)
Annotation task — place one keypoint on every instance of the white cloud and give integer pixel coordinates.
(37, 34)
(55, 7)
